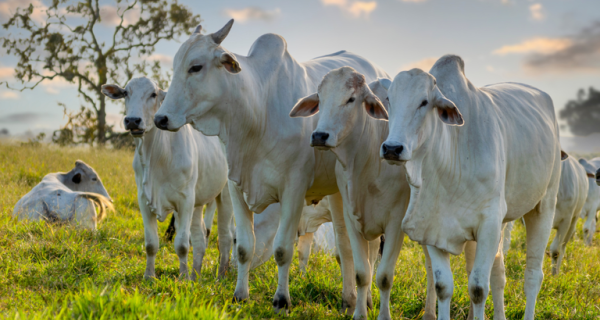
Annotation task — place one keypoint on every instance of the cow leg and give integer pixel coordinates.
(373, 253)
(304, 243)
(497, 284)
(556, 248)
(394, 237)
(362, 268)
(199, 241)
(344, 250)
(150, 238)
(209, 216)
(443, 280)
(538, 224)
(292, 203)
(506, 233)
(185, 211)
(589, 225)
(225, 220)
(431, 298)
(244, 230)
(470, 249)
(488, 242)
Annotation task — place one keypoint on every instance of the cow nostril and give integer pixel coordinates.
(138, 121)
(161, 122)
(319, 138)
(398, 150)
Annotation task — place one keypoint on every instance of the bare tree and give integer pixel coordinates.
(68, 44)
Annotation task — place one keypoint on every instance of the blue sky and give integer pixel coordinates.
(551, 44)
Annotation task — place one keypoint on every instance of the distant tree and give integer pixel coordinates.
(68, 44)
(583, 114)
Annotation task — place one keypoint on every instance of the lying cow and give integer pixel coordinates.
(176, 172)
(475, 158)
(245, 100)
(375, 194)
(590, 211)
(67, 197)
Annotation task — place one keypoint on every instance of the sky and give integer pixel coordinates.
(553, 45)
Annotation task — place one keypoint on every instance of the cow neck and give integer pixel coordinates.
(153, 149)
(358, 153)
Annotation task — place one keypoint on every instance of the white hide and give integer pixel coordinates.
(69, 197)
(176, 172)
(475, 158)
(245, 100)
(375, 194)
(589, 214)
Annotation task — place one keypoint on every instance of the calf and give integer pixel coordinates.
(176, 172)
(475, 158)
(67, 197)
(592, 204)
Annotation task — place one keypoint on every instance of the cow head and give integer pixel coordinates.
(415, 102)
(592, 203)
(341, 96)
(84, 178)
(598, 177)
(201, 75)
(142, 100)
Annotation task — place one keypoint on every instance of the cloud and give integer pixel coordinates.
(575, 53)
(535, 45)
(424, 64)
(354, 8)
(6, 73)
(536, 11)
(9, 95)
(110, 15)
(9, 7)
(252, 13)
(22, 118)
(162, 58)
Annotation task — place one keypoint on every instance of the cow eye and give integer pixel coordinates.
(94, 179)
(387, 98)
(195, 69)
(423, 103)
(350, 100)
(153, 95)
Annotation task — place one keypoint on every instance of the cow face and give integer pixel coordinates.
(201, 77)
(415, 102)
(342, 95)
(84, 178)
(142, 99)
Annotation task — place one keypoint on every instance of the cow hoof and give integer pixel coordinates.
(149, 277)
(382, 316)
(429, 316)
(347, 308)
(237, 298)
(281, 304)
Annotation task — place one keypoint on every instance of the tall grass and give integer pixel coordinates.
(51, 271)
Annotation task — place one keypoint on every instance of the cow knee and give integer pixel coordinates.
(280, 256)
(361, 279)
(443, 285)
(384, 281)
(151, 249)
(182, 249)
(242, 255)
(478, 294)
(555, 254)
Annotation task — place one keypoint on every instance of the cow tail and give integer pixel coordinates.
(101, 201)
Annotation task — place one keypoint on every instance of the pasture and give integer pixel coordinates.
(56, 271)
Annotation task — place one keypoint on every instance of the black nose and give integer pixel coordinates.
(132, 123)
(319, 138)
(598, 176)
(162, 122)
(391, 152)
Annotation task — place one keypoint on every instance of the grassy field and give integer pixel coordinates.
(51, 271)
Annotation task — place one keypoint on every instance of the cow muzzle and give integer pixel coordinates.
(393, 153)
(161, 122)
(133, 125)
(598, 177)
(319, 140)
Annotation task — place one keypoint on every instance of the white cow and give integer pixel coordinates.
(246, 102)
(590, 211)
(475, 158)
(375, 195)
(175, 172)
(67, 197)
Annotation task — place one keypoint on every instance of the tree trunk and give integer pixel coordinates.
(102, 121)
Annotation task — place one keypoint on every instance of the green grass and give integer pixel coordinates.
(56, 271)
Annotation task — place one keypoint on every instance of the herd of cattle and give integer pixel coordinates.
(302, 144)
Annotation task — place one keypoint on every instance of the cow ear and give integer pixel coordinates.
(374, 107)
(76, 178)
(589, 169)
(161, 95)
(113, 91)
(386, 83)
(306, 107)
(230, 63)
(563, 155)
(447, 110)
